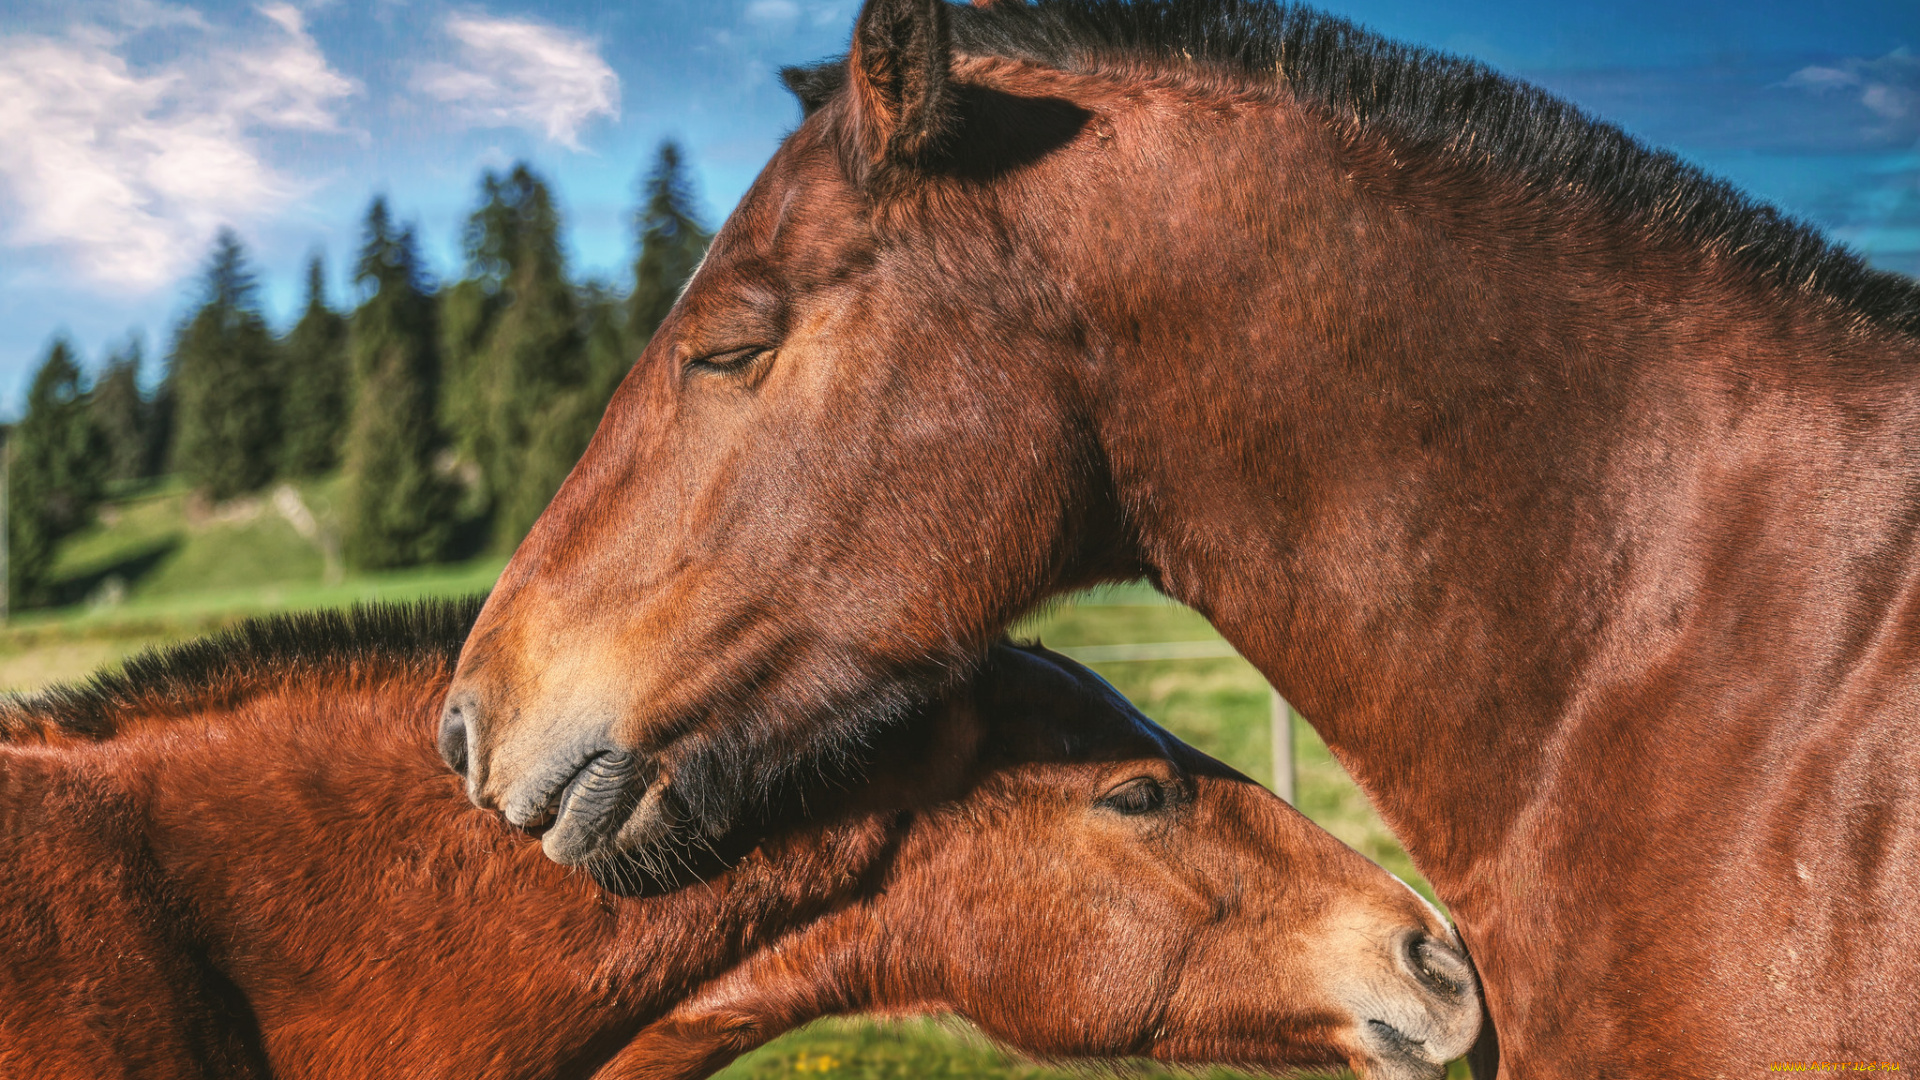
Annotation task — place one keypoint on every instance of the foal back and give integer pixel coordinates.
(109, 964)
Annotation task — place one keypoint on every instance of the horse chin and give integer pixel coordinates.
(650, 822)
(651, 852)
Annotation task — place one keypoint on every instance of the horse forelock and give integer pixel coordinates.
(250, 658)
(1433, 103)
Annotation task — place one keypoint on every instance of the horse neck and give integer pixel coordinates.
(1443, 459)
(878, 954)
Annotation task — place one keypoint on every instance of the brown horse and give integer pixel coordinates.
(246, 859)
(1573, 497)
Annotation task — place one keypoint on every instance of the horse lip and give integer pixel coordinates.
(650, 820)
(1392, 1054)
(587, 808)
(557, 805)
(535, 810)
(1397, 1040)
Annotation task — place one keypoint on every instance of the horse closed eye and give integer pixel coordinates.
(1140, 795)
(732, 360)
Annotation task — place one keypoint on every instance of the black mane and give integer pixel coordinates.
(244, 658)
(1434, 101)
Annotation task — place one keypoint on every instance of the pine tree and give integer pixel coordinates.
(58, 473)
(467, 313)
(226, 382)
(398, 510)
(561, 432)
(672, 242)
(160, 419)
(610, 352)
(533, 357)
(313, 412)
(555, 355)
(124, 416)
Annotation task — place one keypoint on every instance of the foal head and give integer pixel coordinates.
(1079, 883)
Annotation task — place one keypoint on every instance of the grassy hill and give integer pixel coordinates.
(161, 566)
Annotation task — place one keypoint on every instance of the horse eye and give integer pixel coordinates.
(728, 361)
(1140, 795)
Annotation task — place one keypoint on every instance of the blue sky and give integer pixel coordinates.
(135, 128)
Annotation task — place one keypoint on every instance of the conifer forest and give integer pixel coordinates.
(451, 409)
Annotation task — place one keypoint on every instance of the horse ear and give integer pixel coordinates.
(898, 66)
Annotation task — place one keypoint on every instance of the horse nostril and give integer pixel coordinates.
(453, 737)
(1436, 965)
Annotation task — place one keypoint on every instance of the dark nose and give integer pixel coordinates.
(453, 734)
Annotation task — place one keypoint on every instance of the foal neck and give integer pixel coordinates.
(368, 913)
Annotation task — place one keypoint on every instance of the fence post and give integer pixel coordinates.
(1281, 724)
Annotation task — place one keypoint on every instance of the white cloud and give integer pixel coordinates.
(290, 86)
(514, 73)
(1889, 86)
(125, 173)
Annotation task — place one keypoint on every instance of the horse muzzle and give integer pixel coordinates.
(1420, 1014)
(587, 799)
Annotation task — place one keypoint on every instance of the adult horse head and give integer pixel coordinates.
(874, 393)
(242, 857)
(1569, 493)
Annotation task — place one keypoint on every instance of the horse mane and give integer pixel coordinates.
(1458, 108)
(243, 660)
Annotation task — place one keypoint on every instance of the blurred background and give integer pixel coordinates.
(309, 303)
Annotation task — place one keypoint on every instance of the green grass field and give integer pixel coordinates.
(158, 569)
